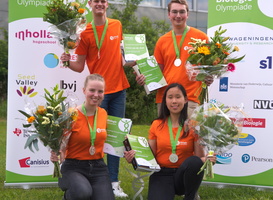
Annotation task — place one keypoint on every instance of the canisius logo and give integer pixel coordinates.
(27, 162)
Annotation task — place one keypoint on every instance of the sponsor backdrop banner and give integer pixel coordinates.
(33, 65)
(250, 27)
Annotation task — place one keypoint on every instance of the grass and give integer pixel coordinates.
(206, 192)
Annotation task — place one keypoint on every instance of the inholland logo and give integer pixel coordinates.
(32, 34)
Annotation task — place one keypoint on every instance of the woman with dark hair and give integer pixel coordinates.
(176, 149)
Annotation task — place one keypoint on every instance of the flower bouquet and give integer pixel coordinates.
(67, 23)
(51, 123)
(218, 128)
(210, 59)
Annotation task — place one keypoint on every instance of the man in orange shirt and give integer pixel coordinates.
(171, 53)
(99, 47)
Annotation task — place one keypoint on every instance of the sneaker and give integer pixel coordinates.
(118, 192)
(197, 197)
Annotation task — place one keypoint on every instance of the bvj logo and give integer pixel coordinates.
(27, 162)
(223, 87)
(70, 86)
(224, 158)
(245, 158)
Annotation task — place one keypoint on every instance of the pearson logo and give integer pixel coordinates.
(263, 104)
(27, 162)
(245, 158)
(223, 86)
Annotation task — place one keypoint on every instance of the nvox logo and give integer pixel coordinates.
(27, 162)
(32, 34)
(224, 158)
(263, 104)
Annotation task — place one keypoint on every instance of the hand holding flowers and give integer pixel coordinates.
(210, 59)
(218, 130)
(67, 23)
(52, 124)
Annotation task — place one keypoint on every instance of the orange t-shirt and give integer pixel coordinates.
(109, 65)
(165, 54)
(184, 147)
(79, 141)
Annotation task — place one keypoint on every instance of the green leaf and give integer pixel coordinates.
(24, 113)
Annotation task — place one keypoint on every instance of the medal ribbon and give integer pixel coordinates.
(177, 50)
(94, 130)
(173, 141)
(99, 43)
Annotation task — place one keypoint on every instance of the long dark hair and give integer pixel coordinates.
(164, 112)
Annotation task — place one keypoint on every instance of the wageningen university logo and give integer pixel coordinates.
(247, 158)
(28, 162)
(263, 104)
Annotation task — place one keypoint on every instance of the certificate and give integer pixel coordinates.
(134, 46)
(116, 129)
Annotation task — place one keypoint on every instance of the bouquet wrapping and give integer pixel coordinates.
(218, 128)
(67, 23)
(51, 123)
(210, 59)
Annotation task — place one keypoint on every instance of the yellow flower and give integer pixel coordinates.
(71, 45)
(236, 48)
(204, 50)
(46, 121)
(41, 110)
(218, 45)
(74, 114)
(75, 4)
(81, 10)
(31, 119)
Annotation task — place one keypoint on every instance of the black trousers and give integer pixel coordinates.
(168, 182)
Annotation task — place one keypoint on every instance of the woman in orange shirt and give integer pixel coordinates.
(176, 150)
(84, 172)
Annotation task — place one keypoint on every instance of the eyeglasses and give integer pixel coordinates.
(97, 1)
(181, 12)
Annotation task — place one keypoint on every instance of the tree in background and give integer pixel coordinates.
(140, 107)
(3, 64)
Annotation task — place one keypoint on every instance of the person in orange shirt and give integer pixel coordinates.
(171, 53)
(99, 48)
(84, 172)
(177, 151)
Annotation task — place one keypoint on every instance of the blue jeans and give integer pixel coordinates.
(85, 180)
(114, 104)
(168, 182)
